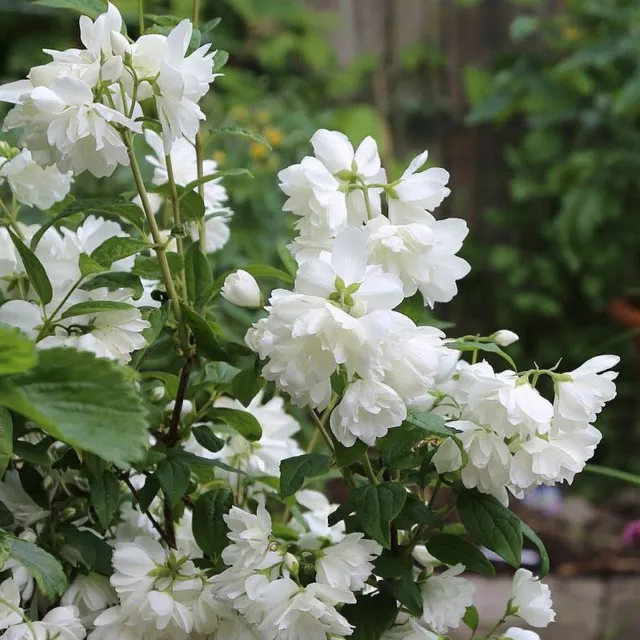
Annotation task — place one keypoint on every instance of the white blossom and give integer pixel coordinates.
(241, 288)
(531, 600)
(10, 611)
(24, 510)
(504, 337)
(251, 537)
(61, 623)
(514, 633)
(90, 594)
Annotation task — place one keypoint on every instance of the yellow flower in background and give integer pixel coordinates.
(571, 33)
(258, 151)
(219, 156)
(263, 117)
(239, 113)
(273, 135)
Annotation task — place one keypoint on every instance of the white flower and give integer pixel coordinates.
(250, 535)
(514, 633)
(583, 394)
(410, 630)
(367, 411)
(446, 598)
(417, 192)
(23, 579)
(421, 255)
(531, 600)
(241, 288)
(448, 457)
(504, 337)
(61, 623)
(90, 594)
(347, 565)
(10, 611)
(25, 511)
(343, 276)
(317, 518)
(31, 184)
(113, 623)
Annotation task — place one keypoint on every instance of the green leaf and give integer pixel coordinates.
(6, 517)
(346, 456)
(147, 267)
(91, 8)
(207, 343)
(220, 58)
(163, 20)
(244, 133)
(192, 460)
(174, 476)
(429, 422)
(544, 556)
(219, 373)
(452, 549)
(415, 511)
(215, 176)
(199, 276)
(523, 27)
(157, 319)
(170, 381)
(148, 492)
(42, 566)
(115, 280)
(246, 385)
(376, 506)
(492, 525)
(294, 471)
(105, 497)
(389, 566)
(85, 401)
(257, 270)
(208, 525)
(36, 272)
(86, 548)
(474, 345)
(88, 266)
(95, 306)
(398, 447)
(191, 205)
(242, 421)
(471, 618)
(210, 25)
(109, 206)
(206, 438)
(114, 249)
(406, 592)
(371, 615)
(412, 307)
(17, 352)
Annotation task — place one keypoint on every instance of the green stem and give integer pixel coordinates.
(141, 16)
(369, 469)
(625, 476)
(496, 627)
(202, 226)
(320, 425)
(51, 319)
(175, 204)
(21, 613)
(196, 12)
(160, 250)
(367, 201)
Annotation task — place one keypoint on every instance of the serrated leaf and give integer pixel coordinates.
(91, 8)
(428, 422)
(198, 275)
(206, 438)
(491, 525)
(17, 352)
(41, 565)
(544, 556)
(116, 280)
(294, 471)
(207, 343)
(105, 497)
(452, 549)
(241, 421)
(85, 401)
(376, 506)
(244, 133)
(36, 272)
(116, 248)
(173, 476)
(95, 306)
(208, 525)
(219, 373)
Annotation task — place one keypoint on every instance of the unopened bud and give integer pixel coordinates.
(292, 564)
(242, 289)
(119, 44)
(504, 337)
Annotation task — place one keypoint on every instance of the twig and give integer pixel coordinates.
(134, 492)
(173, 436)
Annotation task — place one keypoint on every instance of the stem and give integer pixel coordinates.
(141, 16)
(436, 489)
(196, 12)
(496, 626)
(369, 469)
(160, 250)
(168, 522)
(51, 318)
(174, 429)
(313, 442)
(321, 428)
(152, 520)
(625, 476)
(175, 204)
(12, 218)
(367, 202)
(202, 226)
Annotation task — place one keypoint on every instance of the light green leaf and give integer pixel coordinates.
(491, 525)
(294, 471)
(219, 373)
(17, 352)
(95, 306)
(174, 478)
(220, 58)
(244, 133)
(91, 8)
(199, 276)
(42, 566)
(208, 525)
(376, 506)
(428, 422)
(88, 266)
(147, 267)
(36, 272)
(214, 176)
(82, 400)
(452, 549)
(114, 249)
(346, 456)
(105, 497)
(241, 421)
(116, 280)
(6, 439)
(471, 618)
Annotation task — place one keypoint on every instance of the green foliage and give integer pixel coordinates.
(294, 471)
(209, 527)
(452, 549)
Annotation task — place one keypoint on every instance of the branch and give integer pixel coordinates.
(125, 478)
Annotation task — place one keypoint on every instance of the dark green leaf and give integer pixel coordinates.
(412, 307)
(429, 422)
(209, 527)
(219, 373)
(415, 511)
(257, 270)
(398, 447)
(174, 478)
(36, 272)
(346, 456)
(376, 506)
(147, 267)
(85, 401)
(91, 8)
(42, 566)
(210, 25)
(294, 471)
(192, 460)
(191, 205)
(164, 20)
(114, 249)
(116, 280)
(86, 548)
(6, 516)
(207, 343)
(149, 491)
(246, 385)
(170, 381)
(544, 556)
(199, 276)
(406, 592)
(371, 615)
(242, 421)
(471, 618)
(157, 319)
(206, 438)
(220, 58)
(17, 352)
(452, 549)
(105, 497)
(95, 306)
(388, 566)
(491, 524)
(34, 453)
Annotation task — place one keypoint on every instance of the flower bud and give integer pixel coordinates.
(504, 337)
(119, 44)
(292, 564)
(242, 289)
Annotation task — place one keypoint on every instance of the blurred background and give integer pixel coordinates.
(534, 108)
